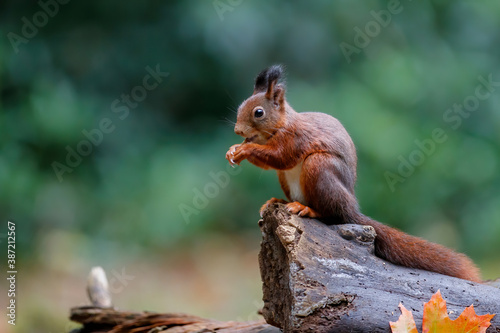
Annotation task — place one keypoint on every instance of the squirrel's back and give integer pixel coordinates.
(328, 133)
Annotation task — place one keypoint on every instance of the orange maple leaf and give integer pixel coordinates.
(405, 323)
(436, 320)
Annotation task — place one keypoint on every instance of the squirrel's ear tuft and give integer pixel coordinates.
(266, 79)
(274, 73)
(275, 91)
(261, 82)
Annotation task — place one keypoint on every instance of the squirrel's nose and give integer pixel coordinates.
(237, 130)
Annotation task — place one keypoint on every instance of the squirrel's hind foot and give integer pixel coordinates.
(302, 210)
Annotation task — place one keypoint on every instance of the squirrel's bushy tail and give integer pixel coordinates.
(410, 251)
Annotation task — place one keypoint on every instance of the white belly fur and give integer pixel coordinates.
(292, 177)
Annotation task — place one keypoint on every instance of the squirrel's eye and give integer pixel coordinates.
(258, 113)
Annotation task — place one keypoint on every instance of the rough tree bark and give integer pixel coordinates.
(99, 320)
(316, 278)
(319, 278)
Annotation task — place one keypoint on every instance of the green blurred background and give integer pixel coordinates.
(121, 206)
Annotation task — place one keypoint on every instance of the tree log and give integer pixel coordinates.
(100, 320)
(319, 278)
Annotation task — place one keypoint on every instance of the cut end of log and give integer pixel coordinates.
(289, 247)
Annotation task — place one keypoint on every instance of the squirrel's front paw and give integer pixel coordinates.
(269, 203)
(237, 153)
(301, 210)
(230, 154)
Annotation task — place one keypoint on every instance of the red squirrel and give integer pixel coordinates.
(315, 159)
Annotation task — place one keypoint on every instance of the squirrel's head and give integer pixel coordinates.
(262, 114)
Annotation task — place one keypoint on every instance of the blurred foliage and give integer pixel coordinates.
(124, 198)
